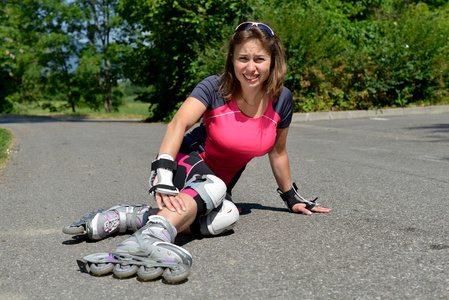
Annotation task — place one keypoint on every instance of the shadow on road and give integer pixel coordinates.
(245, 208)
(435, 127)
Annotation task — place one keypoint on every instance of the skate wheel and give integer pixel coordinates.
(73, 229)
(124, 271)
(176, 273)
(101, 269)
(149, 273)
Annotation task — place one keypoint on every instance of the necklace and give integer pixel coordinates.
(255, 103)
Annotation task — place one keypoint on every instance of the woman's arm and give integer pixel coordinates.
(188, 114)
(281, 169)
(279, 160)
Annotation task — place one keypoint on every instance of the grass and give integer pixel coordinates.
(128, 110)
(5, 145)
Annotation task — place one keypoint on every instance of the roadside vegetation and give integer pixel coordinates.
(125, 57)
(5, 145)
(127, 110)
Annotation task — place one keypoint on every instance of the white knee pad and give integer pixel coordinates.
(220, 220)
(211, 189)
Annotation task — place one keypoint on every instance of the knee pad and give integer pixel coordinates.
(220, 220)
(211, 189)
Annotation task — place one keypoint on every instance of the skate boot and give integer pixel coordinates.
(117, 219)
(149, 252)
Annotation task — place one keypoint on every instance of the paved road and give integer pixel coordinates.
(386, 179)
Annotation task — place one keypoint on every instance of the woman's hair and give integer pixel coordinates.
(230, 86)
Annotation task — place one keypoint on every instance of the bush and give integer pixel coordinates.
(166, 58)
(7, 87)
(5, 142)
(314, 39)
(403, 61)
(342, 56)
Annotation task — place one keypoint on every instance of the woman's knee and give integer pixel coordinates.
(220, 220)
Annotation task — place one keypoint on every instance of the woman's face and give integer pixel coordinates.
(252, 64)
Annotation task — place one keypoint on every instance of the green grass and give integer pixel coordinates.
(128, 110)
(132, 110)
(5, 144)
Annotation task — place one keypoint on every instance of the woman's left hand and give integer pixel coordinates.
(301, 208)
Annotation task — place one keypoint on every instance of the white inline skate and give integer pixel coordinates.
(117, 219)
(149, 253)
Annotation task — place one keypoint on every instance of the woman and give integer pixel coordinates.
(246, 105)
(246, 113)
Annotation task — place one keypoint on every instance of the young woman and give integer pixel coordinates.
(246, 112)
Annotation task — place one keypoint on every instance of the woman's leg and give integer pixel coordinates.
(182, 221)
(204, 213)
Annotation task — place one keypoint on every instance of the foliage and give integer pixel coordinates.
(131, 110)
(362, 54)
(312, 49)
(7, 87)
(51, 47)
(167, 36)
(20, 33)
(406, 61)
(5, 142)
(341, 55)
(101, 56)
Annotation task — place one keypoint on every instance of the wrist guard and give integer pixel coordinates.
(163, 168)
(292, 197)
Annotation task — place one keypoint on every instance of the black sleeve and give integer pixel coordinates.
(284, 107)
(207, 92)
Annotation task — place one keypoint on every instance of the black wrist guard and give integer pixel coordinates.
(292, 197)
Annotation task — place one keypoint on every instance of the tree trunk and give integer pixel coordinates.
(72, 103)
(102, 93)
(108, 98)
(69, 93)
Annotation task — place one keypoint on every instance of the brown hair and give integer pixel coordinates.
(230, 86)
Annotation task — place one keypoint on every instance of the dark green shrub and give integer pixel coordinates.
(314, 39)
(337, 59)
(403, 60)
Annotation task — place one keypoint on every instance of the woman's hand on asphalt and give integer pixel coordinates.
(301, 208)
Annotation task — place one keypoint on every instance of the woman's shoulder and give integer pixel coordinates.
(284, 107)
(207, 92)
(213, 80)
(285, 98)
(286, 93)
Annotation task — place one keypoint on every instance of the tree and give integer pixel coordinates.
(38, 48)
(20, 29)
(60, 49)
(167, 37)
(101, 30)
(7, 87)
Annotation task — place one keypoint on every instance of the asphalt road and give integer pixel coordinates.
(386, 179)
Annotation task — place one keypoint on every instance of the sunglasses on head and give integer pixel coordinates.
(249, 25)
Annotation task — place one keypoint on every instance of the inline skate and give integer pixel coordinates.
(149, 253)
(117, 219)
